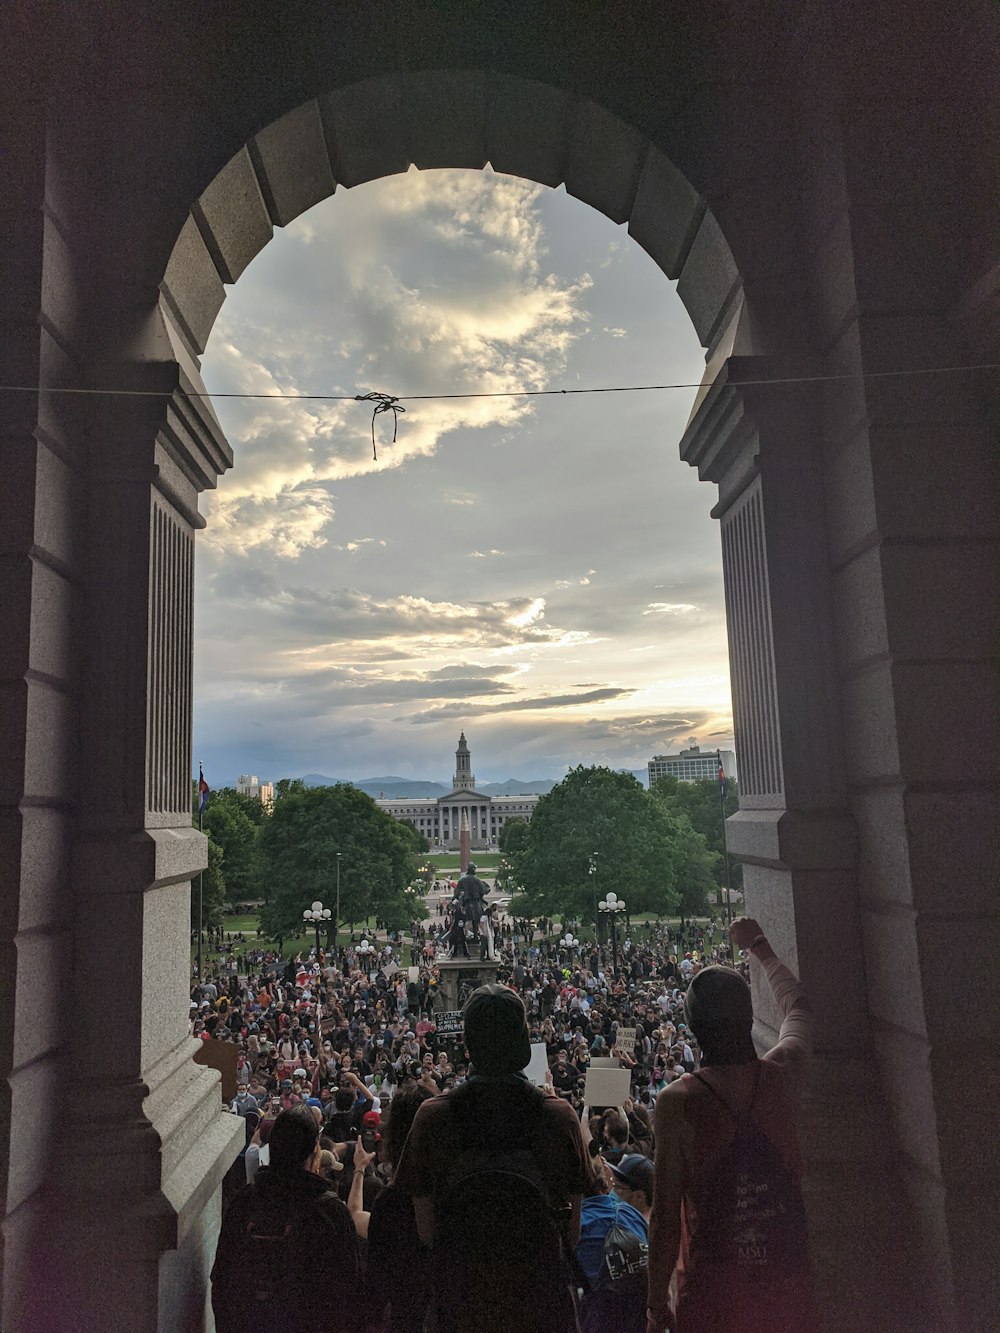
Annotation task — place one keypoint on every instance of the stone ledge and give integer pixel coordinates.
(126, 862)
(793, 839)
(189, 1187)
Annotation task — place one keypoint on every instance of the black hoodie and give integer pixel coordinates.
(288, 1251)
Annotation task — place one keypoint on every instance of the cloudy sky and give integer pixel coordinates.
(540, 572)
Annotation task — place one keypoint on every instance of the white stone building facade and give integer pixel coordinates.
(439, 818)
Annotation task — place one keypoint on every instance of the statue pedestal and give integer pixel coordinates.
(460, 977)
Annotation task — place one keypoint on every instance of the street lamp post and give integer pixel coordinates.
(592, 872)
(316, 916)
(569, 942)
(365, 951)
(613, 905)
(336, 919)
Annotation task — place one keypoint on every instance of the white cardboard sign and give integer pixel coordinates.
(606, 1087)
(625, 1040)
(537, 1069)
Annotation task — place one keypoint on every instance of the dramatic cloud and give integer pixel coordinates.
(444, 288)
(467, 709)
(540, 571)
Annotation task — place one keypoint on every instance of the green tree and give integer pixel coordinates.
(513, 835)
(598, 810)
(699, 801)
(252, 806)
(298, 846)
(229, 821)
(288, 787)
(401, 910)
(420, 844)
(213, 891)
(695, 869)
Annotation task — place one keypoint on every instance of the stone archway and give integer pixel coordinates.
(745, 439)
(140, 189)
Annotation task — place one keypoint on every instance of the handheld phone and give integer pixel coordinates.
(368, 1139)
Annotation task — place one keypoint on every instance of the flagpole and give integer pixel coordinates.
(201, 873)
(725, 848)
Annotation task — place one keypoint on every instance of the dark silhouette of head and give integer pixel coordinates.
(402, 1110)
(496, 1030)
(719, 1011)
(293, 1139)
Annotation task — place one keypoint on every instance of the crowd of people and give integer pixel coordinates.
(403, 1207)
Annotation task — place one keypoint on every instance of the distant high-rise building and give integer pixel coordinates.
(250, 785)
(692, 765)
(439, 818)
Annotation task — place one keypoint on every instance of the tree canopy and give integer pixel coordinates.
(213, 891)
(513, 834)
(699, 802)
(298, 847)
(597, 817)
(231, 820)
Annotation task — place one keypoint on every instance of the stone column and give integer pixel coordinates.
(914, 523)
(133, 1208)
(794, 833)
(42, 607)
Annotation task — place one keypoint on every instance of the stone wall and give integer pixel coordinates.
(819, 182)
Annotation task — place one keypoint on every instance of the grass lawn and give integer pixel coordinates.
(484, 861)
(233, 925)
(248, 923)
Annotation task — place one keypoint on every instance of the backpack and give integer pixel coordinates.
(753, 1219)
(500, 1257)
(502, 1261)
(616, 1302)
(276, 1256)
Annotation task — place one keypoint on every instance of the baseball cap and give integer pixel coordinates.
(635, 1171)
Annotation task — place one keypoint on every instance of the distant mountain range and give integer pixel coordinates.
(399, 789)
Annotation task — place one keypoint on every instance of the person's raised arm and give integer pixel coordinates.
(356, 1196)
(359, 1086)
(795, 1037)
(588, 1137)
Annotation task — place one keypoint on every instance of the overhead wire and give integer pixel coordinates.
(391, 402)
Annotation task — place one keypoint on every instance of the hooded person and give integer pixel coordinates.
(288, 1251)
(495, 1122)
(727, 1206)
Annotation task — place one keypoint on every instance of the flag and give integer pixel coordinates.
(723, 785)
(202, 790)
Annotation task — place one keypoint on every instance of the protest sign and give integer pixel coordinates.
(606, 1087)
(449, 1023)
(625, 1040)
(537, 1069)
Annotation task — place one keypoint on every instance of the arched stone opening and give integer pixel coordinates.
(863, 801)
